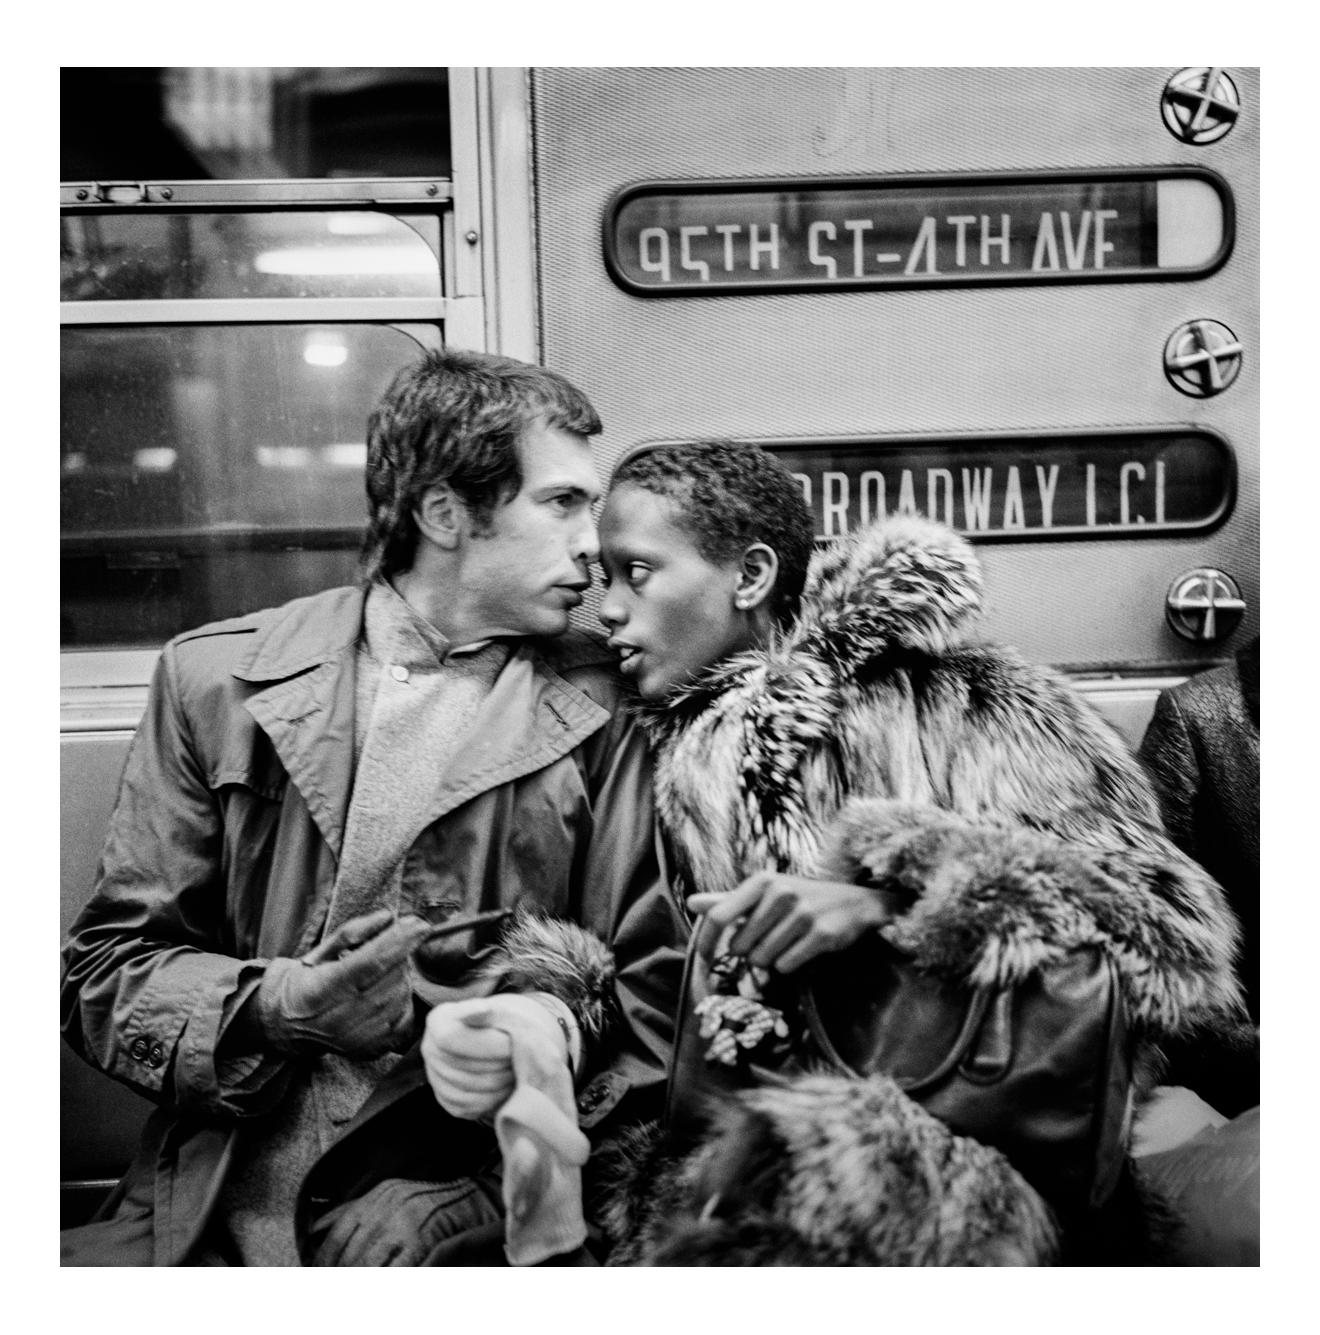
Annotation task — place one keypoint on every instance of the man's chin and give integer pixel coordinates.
(549, 625)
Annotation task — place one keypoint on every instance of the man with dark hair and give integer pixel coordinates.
(316, 788)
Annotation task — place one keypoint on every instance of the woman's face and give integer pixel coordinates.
(669, 611)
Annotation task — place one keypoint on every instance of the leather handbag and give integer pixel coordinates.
(1042, 1070)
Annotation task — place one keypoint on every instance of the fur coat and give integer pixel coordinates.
(868, 742)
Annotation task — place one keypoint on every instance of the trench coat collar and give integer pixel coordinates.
(305, 660)
(304, 634)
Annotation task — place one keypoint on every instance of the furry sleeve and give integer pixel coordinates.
(989, 904)
(567, 961)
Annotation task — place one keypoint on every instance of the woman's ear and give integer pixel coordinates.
(440, 516)
(757, 574)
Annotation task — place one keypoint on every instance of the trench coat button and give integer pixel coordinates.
(139, 1049)
(399, 672)
(156, 1057)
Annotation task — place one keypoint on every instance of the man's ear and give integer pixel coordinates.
(758, 571)
(440, 516)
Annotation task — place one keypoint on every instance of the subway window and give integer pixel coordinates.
(247, 256)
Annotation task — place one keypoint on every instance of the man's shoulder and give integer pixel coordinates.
(228, 640)
(576, 649)
(584, 661)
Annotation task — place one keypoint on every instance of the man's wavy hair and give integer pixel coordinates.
(728, 495)
(455, 417)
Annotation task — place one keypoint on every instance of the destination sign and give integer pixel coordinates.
(1022, 488)
(706, 239)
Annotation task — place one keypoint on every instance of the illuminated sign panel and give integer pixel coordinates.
(708, 239)
(1022, 488)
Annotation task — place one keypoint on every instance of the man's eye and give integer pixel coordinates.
(565, 502)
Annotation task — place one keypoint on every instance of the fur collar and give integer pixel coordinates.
(902, 585)
(763, 724)
(868, 695)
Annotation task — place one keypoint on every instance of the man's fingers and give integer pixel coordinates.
(349, 935)
(382, 954)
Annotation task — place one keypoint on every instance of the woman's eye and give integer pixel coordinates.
(637, 573)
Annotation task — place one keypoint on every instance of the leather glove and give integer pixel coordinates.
(349, 995)
(468, 1059)
(400, 1222)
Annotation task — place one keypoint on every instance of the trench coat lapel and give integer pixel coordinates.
(531, 718)
(309, 657)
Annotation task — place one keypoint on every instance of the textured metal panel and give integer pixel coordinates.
(895, 362)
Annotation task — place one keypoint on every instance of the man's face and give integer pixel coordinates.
(530, 566)
(670, 612)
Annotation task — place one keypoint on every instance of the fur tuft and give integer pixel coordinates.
(829, 1170)
(990, 905)
(547, 955)
(904, 584)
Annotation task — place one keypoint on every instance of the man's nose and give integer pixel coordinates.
(586, 542)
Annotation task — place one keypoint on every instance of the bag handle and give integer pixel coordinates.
(977, 1006)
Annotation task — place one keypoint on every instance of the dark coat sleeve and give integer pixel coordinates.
(1170, 759)
(147, 984)
(627, 900)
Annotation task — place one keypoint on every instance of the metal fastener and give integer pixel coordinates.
(1202, 358)
(1204, 604)
(1200, 104)
(471, 238)
(167, 193)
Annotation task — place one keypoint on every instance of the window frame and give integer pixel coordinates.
(104, 687)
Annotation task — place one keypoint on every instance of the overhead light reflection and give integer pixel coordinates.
(325, 353)
(358, 224)
(156, 460)
(283, 456)
(349, 454)
(347, 260)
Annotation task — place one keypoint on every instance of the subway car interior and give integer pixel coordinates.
(1021, 301)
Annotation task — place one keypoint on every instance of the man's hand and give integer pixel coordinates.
(349, 995)
(468, 1055)
(400, 1222)
(790, 920)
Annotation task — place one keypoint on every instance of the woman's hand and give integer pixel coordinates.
(791, 919)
